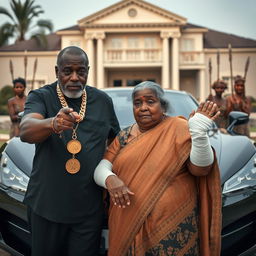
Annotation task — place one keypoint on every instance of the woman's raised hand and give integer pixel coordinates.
(209, 109)
(118, 191)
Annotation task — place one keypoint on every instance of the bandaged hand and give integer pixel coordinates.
(199, 123)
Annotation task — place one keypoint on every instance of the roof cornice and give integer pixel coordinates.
(29, 54)
(226, 50)
(69, 32)
(115, 7)
(195, 30)
(131, 25)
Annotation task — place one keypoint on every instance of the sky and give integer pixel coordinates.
(230, 16)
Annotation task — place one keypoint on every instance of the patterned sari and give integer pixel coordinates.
(173, 211)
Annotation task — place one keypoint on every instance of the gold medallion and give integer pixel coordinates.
(72, 166)
(74, 146)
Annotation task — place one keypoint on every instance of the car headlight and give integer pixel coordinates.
(11, 176)
(244, 179)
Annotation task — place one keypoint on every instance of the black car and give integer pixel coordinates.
(236, 157)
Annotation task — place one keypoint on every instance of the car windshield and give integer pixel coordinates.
(181, 104)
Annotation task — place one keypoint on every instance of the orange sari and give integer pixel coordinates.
(153, 166)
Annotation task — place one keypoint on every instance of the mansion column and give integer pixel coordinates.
(100, 67)
(90, 52)
(165, 63)
(202, 91)
(175, 62)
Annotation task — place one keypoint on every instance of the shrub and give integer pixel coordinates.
(253, 106)
(4, 110)
(5, 93)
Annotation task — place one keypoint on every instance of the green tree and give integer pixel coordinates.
(22, 21)
(6, 31)
(5, 93)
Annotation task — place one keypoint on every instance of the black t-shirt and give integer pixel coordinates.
(52, 192)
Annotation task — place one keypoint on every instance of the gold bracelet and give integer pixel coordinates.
(53, 128)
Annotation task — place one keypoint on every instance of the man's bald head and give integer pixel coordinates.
(71, 50)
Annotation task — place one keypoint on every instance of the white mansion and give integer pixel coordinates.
(132, 41)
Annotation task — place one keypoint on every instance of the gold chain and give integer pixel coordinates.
(64, 103)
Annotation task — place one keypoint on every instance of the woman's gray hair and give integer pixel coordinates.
(156, 89)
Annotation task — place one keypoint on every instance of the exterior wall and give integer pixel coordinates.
(102, 54)
(137, 54)
(197, 39)
(192, 64)
(239, 57)
(188, 82)
(72, 40)
(132, 74)
(45, 72)
(177, 60)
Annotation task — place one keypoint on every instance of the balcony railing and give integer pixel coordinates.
(132, 55)
(150, 56)
(191, 58)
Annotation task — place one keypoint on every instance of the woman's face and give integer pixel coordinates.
(147, 109)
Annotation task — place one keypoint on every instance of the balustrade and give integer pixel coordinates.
(132, 55)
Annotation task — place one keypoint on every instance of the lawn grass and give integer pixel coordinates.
(252, 129)
(4, 131)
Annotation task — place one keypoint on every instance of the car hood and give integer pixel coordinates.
(21, 154)
(232, 152)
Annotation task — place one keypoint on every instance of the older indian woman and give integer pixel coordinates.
(163, 180)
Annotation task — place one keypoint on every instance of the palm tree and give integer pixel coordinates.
(6, 31)
(22, 18)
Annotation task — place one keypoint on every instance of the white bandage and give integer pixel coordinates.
(201, 152)
(102, 171)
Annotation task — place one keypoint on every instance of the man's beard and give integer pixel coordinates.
(72, 94)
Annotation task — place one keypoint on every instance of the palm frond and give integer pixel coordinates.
(6, 32)
(24, 13)
(6, 12)
(40, 38)
(45, 24)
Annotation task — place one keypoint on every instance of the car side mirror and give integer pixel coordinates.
(236, 118)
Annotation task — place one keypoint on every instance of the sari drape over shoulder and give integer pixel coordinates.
(154, 167)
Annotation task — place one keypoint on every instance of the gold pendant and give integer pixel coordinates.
(73, 166)
(74, 146)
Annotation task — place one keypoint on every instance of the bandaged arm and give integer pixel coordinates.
(102, 172)
(201, 152)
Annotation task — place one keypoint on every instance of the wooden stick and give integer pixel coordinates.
(231, 70)
(25, 65)
(246, 67)
(218, 65)
(245, 71)
(34, 73)
(210, 75)
(11, 69)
